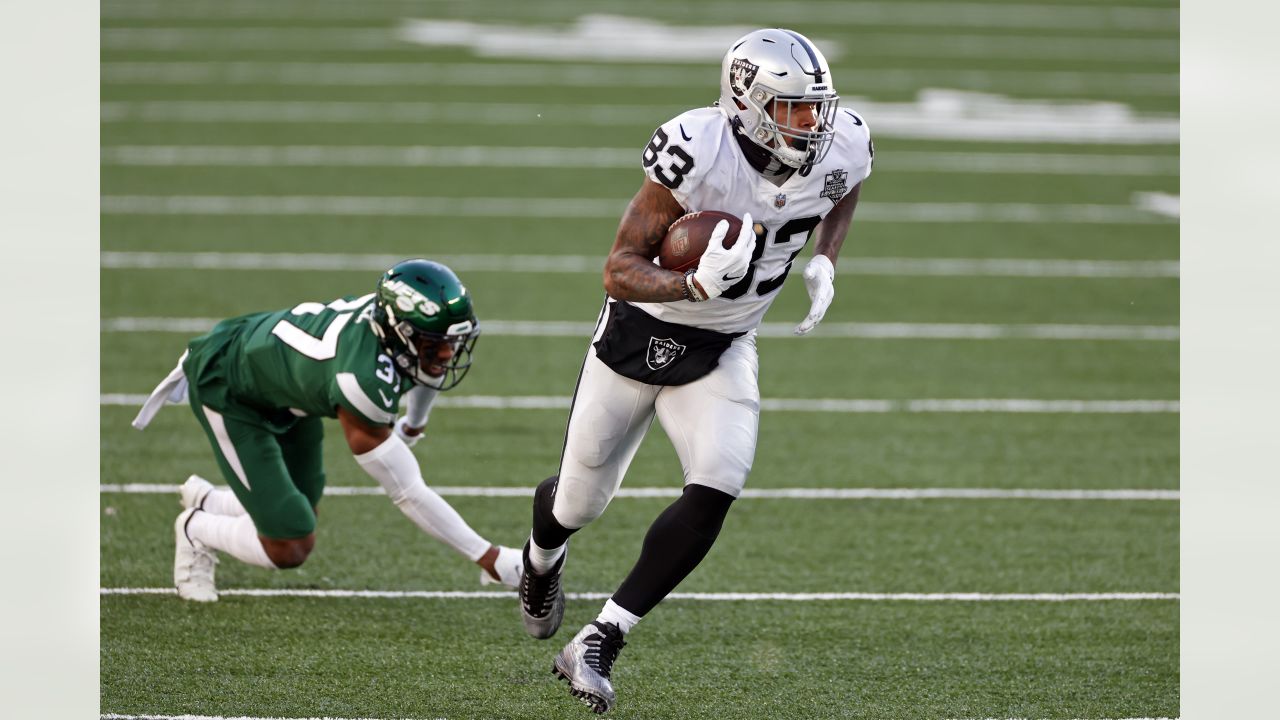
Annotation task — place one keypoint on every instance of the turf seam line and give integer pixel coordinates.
(573, 264)
(700, 596)
(771, 330)
(833, 405)
(602, 208)
(756, 493)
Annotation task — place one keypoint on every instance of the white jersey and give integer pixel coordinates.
(696, 156)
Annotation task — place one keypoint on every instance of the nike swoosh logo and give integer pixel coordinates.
(726, 278)
(385, 400)
(684, 135)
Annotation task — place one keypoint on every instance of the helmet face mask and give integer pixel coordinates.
(425, 321)
(775, 85)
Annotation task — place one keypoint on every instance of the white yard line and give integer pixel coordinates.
(592, 264)
(597, 75)
(933, 115)
(828, 330)
(1157, 202)
(708, 597)
(705, 44)
(860, 14)
(148, 716)
(759, 493)
(854, 406)
(599, 158)
(602, 208)
(120, 716)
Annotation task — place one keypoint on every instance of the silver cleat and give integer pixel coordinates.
(587, 662)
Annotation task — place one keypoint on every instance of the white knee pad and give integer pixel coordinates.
(579, 500)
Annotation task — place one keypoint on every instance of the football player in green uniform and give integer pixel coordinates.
(259, 384)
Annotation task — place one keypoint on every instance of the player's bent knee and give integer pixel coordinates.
(289, 553)
(580, 500)
(291, 516)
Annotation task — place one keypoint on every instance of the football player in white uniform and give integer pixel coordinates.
(777, 151)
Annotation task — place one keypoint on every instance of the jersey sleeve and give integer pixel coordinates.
(366, 384)
(852, 127)
(680, 153)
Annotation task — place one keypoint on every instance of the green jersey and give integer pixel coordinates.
(308, 360)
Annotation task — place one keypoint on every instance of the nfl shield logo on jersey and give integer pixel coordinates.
(663, 352)
(779, 200)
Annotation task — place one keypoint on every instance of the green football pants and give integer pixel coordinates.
(278, 477)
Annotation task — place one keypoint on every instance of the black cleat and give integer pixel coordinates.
(542, 597)
(587, 662)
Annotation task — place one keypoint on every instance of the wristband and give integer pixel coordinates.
(691, 291)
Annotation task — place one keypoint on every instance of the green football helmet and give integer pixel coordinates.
(424, 317)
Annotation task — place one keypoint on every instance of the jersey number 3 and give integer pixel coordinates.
(677, 170)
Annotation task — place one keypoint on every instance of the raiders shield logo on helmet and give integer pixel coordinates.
(741, 75)
(662, 352)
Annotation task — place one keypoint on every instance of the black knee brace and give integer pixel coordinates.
(676, 542)
(547, 532)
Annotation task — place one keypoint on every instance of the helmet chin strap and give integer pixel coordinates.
(759, 158)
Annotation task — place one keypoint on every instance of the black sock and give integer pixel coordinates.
(547, 532)
(676, 542)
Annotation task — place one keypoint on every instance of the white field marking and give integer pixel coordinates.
(831, 405)
(750, 493)
(910, 267)
(606, 38)
(311, 112)
(120, 716)
(828, 330)
(586, 208)
(711, 597)
(590, 38)
(862, 14)
(599, 37)
(596, 76)
(597, 158)
(935, 114)
(1162, 203)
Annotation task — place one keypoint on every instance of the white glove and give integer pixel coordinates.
(818, 277)
(719, 267)
(401, 431)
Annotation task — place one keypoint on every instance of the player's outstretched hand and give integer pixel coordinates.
(721, 267)
(819, 275)
(403, 431)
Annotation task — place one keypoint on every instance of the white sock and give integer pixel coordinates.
(541, 558)
(614, 613)
(233, 535)
(222, 501)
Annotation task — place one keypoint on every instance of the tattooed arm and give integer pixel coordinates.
(630, 273)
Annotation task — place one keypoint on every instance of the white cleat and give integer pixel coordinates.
(194, 491)
(193, 564)
(510, 566)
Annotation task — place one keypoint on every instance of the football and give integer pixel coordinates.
(687, 238)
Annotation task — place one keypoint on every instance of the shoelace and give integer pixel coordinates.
(603, 648)
(541, 592)
(204, 561)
